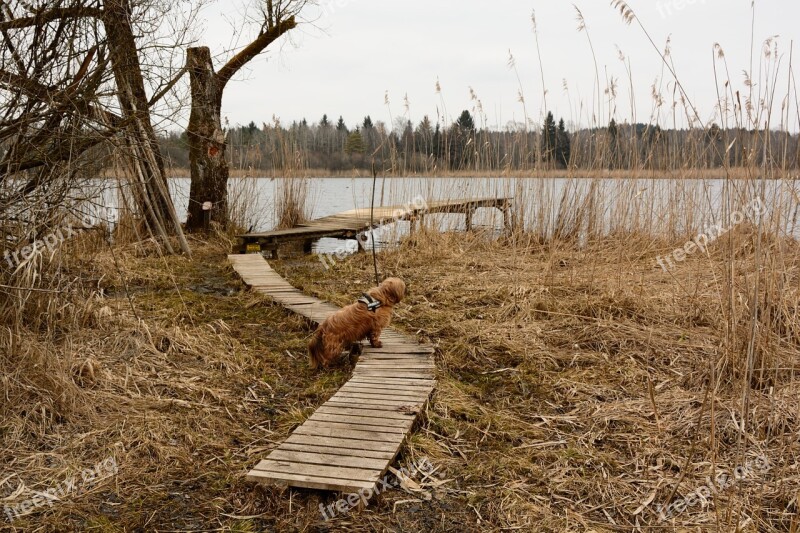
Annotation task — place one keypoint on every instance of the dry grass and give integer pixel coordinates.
(576, 385)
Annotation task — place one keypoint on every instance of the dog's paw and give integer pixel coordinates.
(376, 344)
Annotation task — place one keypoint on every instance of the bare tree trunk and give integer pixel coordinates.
(209, 166)
(140, 135)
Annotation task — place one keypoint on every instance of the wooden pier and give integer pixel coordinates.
(352, 439)
(349, 224)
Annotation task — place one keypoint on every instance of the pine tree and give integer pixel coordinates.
(424, 136)
(341, 126)
(549, 136)
(368, 123)
(355, 143)
(466, 122)
(324, 122)
(613, 133)
(563, 144)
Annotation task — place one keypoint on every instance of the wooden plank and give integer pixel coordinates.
(395, 414)
(399, 391)
(402, 393)
(392, 382)
(326, 459)
(360, 403)
(387, 425)
(332, 450)
(406, 391)
(405, 374)
(377, 431)
(384, 366)
(343, 442)
(333, 472)
(399, 348)
(284, 479)
(346, 433)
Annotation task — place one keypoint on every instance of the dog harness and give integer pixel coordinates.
(371, 303)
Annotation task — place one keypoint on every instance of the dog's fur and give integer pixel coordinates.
(351, 324)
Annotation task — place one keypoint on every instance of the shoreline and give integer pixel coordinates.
(740, 173)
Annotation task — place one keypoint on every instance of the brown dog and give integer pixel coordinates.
(363, 319)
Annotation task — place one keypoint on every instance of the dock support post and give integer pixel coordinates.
(413, 227)
(470, 213)
(507, 224)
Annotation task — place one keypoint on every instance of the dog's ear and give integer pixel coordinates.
(393, 289)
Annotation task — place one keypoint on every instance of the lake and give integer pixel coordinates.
(653, 205)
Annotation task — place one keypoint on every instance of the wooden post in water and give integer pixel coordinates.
(507, 224)
(469, 214)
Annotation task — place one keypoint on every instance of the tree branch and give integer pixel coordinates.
(51, 15)
(158, 96)
(254, 48)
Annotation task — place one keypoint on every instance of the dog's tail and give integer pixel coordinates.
(316, 348)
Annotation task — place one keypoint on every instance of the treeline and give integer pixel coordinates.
(461, 146)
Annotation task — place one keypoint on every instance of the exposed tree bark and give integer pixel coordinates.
(209, 166)
(140, 136)
(207, 143)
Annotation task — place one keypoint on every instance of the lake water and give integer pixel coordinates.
(649, 204)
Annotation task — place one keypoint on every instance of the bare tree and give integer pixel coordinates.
(62, 65)
(207, 143)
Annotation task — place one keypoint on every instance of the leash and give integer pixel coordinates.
(372, 223)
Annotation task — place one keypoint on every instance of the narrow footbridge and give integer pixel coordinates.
(352, 439)
(349, 224)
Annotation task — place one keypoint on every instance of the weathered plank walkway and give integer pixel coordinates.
(350, 441)
(349, 224)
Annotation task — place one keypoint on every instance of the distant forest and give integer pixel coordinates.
(461, 146)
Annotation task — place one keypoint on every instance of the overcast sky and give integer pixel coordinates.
(357, 51)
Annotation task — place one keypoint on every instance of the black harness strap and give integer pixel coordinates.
(371, 303)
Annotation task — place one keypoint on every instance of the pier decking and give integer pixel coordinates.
(349, 224)
(352, 439)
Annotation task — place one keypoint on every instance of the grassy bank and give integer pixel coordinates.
(578, 390)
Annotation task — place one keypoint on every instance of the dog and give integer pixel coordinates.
(364, 319)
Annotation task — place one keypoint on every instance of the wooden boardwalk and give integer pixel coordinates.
(352, 439)
(349, 224)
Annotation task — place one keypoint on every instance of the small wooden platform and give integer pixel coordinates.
(349, 224)
(350, 441)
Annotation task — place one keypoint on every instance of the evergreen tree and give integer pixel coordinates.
(438, 150)
(549, 136)
(563, 144)
(613, 133)
(355, 143)
(424, 136)
(324, 122)
(340, 126)
(368, 123)
(465, 122)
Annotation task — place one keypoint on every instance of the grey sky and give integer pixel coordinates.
(359, 49)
